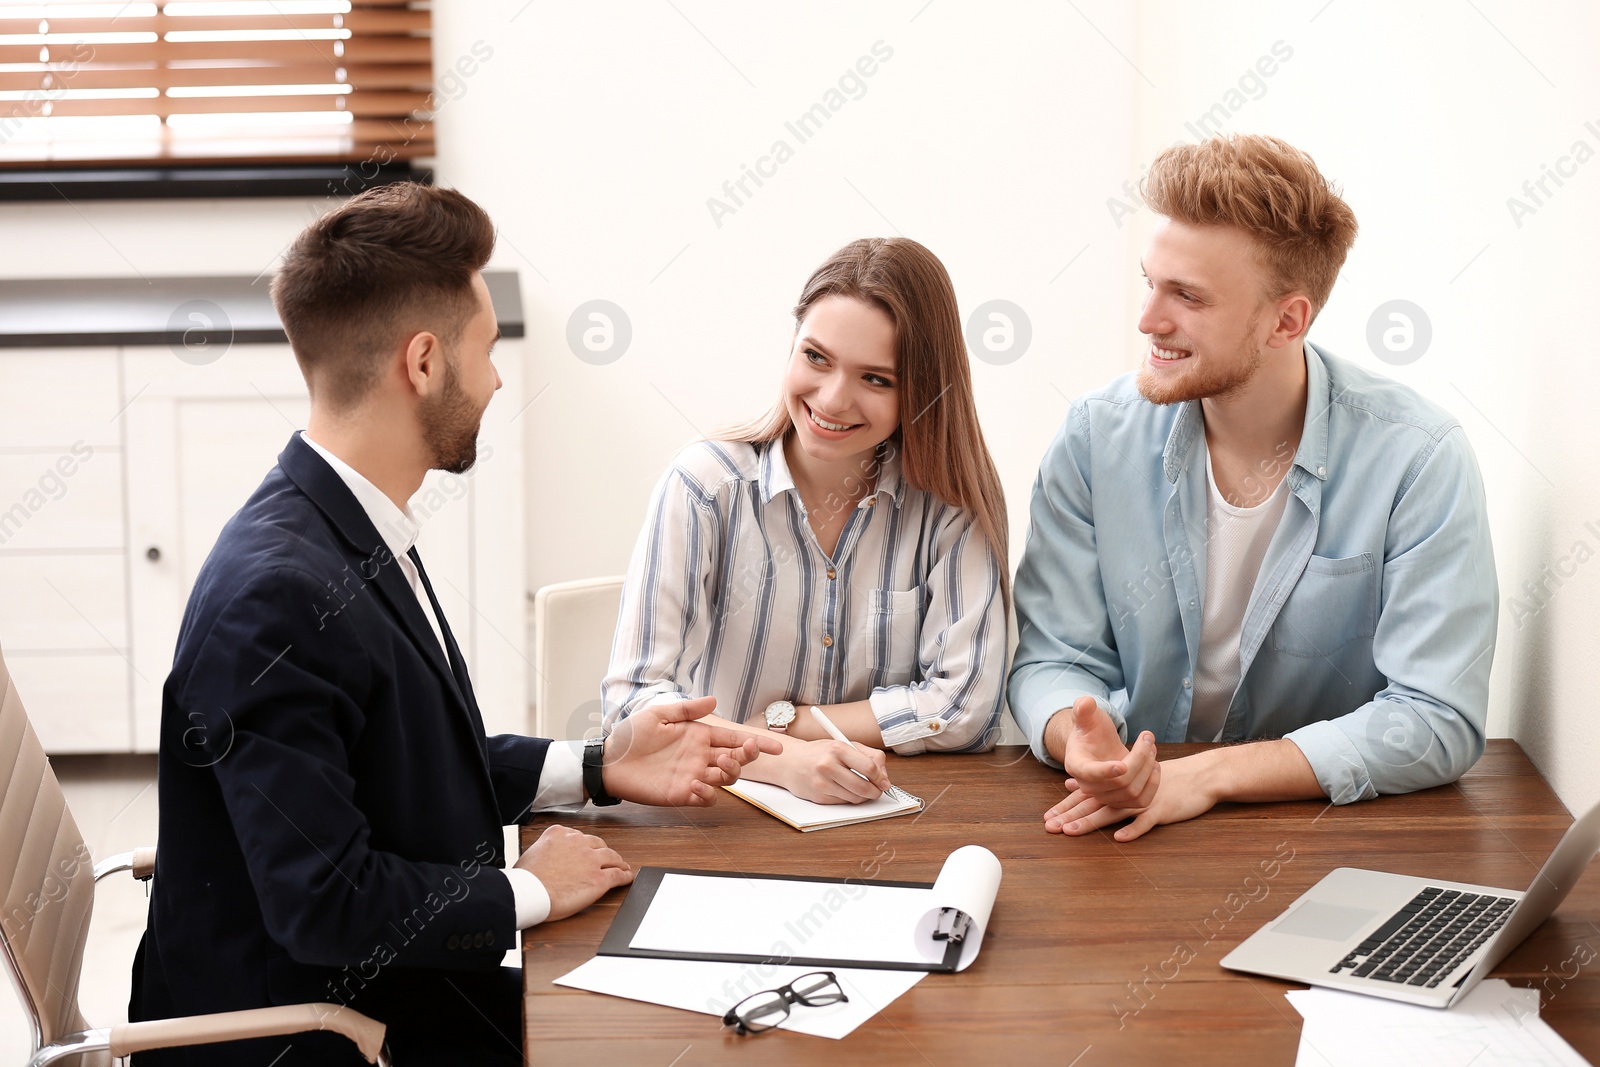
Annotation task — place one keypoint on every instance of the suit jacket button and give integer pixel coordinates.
(453, 943)
(489, 939)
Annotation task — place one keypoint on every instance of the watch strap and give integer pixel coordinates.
(594, 784)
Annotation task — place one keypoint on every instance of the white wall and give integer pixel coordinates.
(966, 137)
(995, 134)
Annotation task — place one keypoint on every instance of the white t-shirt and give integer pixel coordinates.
(1234, 550)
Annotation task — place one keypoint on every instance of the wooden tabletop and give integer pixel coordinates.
(1097, 952)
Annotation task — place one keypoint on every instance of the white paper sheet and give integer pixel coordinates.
(855, 922)
(712, 988)
(1496, 1025)
(779, 917)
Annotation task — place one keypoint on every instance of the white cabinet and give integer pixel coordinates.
(63, 556)
(96, 564)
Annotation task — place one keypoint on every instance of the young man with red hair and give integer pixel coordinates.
(1250, 539)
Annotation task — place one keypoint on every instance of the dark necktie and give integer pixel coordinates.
(453, 653)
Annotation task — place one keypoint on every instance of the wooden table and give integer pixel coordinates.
(1097, 952)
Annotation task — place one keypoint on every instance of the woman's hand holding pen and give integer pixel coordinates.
(833, 772)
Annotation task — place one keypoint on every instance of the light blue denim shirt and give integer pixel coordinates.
(1370, 631)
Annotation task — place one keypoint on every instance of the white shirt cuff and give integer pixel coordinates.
(560, 786)
(561, 780)
(529, 896)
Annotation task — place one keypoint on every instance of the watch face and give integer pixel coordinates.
(780, 713)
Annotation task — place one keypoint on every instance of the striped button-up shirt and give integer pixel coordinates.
(730, 595)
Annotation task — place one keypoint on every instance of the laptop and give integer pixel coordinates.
(1422, 941)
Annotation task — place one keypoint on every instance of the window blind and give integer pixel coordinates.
(195, 82)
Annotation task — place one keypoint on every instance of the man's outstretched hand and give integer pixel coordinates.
(1108, 783)
(662, 755)
(1185, 793)
(1100, 765)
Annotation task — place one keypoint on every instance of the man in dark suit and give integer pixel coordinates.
(331, 811)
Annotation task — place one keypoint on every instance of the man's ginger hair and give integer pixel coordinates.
(1270, 190)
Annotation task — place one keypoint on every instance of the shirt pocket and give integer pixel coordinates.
(887, 644)
(1334, 603)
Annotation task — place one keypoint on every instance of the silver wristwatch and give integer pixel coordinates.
(780, 713)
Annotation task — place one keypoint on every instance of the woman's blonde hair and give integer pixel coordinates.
(940, 442)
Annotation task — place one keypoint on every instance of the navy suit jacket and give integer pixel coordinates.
(330, 809)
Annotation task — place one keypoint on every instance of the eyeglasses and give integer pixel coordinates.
(762, 1011)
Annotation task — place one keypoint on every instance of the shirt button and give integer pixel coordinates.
(1186, 683)
(827, 641)
(1321, 471)
(1191, 603)
(832, 574)
(934, 727)
(872, 500)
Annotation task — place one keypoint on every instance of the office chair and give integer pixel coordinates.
(573, 623)
(45, 923)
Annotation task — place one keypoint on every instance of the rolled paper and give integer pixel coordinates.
(968, 883)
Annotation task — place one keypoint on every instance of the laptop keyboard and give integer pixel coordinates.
(1426, 940)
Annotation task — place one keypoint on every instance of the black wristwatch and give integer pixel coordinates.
(594, 751)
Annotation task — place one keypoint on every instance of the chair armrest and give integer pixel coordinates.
(144, 863)
(78, 1048)
(141, 861)
(128, 1038)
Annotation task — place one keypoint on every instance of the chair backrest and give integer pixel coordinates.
(573, 624)
(49, 891)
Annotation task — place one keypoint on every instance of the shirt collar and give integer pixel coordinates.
(397, 526)
(1312, 455)
(773, 475)
(1175, 457)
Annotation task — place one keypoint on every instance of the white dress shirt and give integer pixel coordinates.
(561, 781)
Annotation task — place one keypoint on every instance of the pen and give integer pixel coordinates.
(838, 735)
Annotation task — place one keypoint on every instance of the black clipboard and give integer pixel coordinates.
(643, 892)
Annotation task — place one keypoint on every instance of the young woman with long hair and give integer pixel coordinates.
(846, 551)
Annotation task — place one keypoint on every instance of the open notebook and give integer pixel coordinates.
(805, 815)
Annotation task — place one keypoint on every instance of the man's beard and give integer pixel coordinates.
(450, 425)
(1200, 383)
